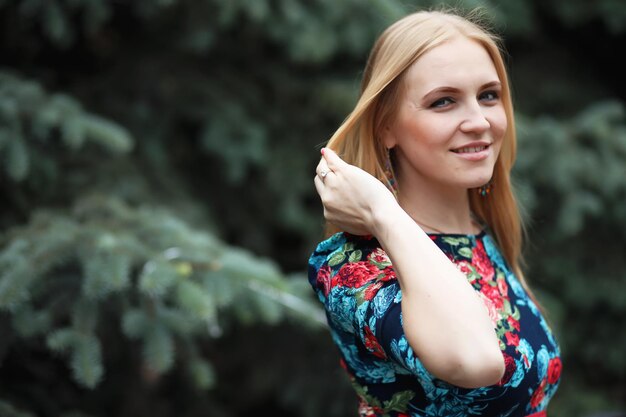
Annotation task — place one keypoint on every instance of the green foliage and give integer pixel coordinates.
(7, 410)
(64, 275)
(579, 12)
(30, 120)
(56, 18)
(201, 373)
(579, 163)
(572, 176)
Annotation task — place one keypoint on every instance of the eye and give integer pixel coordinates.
(490, 96)
(442, 102)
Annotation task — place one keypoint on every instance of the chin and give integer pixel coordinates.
(474, 179)
(477, 183)
(482, 179)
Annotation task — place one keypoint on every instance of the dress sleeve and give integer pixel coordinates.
(355, 280)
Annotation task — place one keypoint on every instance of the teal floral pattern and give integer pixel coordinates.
(355, 280)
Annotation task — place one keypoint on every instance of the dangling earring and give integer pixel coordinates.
(484, 190)
(390, 176)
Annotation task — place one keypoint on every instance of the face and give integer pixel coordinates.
(450, 121)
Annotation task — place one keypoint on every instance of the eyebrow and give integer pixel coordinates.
(446, 89)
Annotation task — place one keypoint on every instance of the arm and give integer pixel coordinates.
(445, 322)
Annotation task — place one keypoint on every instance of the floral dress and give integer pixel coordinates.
(354, 279)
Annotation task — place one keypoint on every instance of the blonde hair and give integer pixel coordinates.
(398, 47)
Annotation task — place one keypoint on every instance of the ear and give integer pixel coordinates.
(388, 138)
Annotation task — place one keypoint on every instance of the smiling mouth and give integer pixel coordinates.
(470, 149)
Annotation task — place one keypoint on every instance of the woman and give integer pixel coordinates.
(421, 279)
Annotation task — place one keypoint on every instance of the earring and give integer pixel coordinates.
(390, 176)
(484, 190)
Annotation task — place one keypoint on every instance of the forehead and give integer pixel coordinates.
(457, 62)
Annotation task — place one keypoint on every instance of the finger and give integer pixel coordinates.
(319, 185)
(322, 168)
(332, 159)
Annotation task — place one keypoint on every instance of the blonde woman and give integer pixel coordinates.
(420, 274)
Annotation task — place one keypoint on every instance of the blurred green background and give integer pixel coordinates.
(157, 207)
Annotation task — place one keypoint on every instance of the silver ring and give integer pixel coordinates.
(323, 174)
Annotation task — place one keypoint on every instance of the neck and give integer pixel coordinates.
(438, 209)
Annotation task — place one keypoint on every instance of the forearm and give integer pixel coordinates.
(444, 320)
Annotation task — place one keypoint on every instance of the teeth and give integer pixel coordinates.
(470, 149)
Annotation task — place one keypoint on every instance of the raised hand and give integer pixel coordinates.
(352, 198)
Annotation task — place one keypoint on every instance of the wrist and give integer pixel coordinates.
(383, 216)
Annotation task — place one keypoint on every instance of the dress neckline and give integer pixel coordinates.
(478, 235)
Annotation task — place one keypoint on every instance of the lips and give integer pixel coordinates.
(473, 152)
(471, 148)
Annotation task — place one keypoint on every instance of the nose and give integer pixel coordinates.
(475, 119)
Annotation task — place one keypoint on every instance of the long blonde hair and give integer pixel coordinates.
(398, 47)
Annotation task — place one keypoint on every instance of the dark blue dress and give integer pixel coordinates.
(354, 279)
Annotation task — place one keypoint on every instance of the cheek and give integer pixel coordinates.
(499, 128)
(429, 135)
(499, 124)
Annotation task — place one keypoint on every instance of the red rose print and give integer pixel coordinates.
(494, 315)
(390, 274)
(372, 290)
(323, 279)
(356, 274)
(481, 261)
(514, 323)
(536, 398)
(509, 369)
(464, 267)
(538, 395)
(502, 287)
(371, 343)
(554, 370)
(365, 410)
(493, 294)
(379, 256)
(512, 339)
